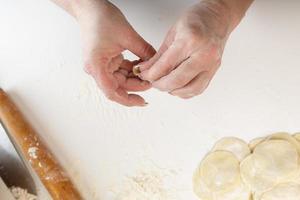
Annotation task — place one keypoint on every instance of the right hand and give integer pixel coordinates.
(192, 51)
(106, 34)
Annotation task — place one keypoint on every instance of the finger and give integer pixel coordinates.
(134, 84)
(107, 82)
(195, 87)
(124, 72)
(131, 84)
(114, 63)
(165, 45)
(140, 47)
(130, 100)
(165, 64)
(104, 79)
(127, 65)
(180, 76)
(146, 64)
(131, 75)
(121, 96)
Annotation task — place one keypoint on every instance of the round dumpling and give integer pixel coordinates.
(239, 193)
(220, 171)
(296, 178)
(287, 191)
(234, 145)
(200, 189)
(253, 177)
(297, 136)
(287, 137)
(266, 169)
(277, 159)
(218, 178)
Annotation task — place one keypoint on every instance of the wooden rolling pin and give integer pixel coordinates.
(35, 152)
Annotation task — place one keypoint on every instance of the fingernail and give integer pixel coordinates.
(136, 70)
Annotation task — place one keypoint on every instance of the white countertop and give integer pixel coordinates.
(256, 91)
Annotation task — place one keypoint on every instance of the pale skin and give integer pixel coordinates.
(186, 62)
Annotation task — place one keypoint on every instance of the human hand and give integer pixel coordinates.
(105, 35)
(192, 50)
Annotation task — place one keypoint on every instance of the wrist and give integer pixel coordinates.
(228, 13)
(236, 10)
(79, 8)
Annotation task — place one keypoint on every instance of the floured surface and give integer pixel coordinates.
(148, 183)
(4, 191)
(255, 92)
(22, 194)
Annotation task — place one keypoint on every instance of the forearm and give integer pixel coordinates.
(227, 13)
(75, 7)
(65, 4)
(238, 9)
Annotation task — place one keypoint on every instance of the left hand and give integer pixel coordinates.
(191, 52)
(106, 33)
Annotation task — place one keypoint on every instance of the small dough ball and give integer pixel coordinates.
(234, 145)
(278, 159)
(220, 171)
(287, 191)
(253, 177)
(253, 143)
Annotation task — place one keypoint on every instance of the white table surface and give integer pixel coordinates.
(256, 91)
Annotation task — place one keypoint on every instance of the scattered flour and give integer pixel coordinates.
(148, 184)
(22, 194)
(32, 152)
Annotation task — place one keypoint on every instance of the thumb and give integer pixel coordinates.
(163, 48)
(145, 65)
(141, 48)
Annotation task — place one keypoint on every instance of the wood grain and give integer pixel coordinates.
(36, 152)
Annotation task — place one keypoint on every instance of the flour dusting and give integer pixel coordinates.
(148, 184)
(22, 194)
(32, 152)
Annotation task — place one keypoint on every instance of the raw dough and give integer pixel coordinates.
(287, 191)
(253, 143)
(287, 137)
(253, 177)
(297, 136)
(218, 178)
(277, 159)
(266, 169)
(220, 171)
(234, 145)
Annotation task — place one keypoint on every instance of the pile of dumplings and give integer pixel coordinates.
(265, 169)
